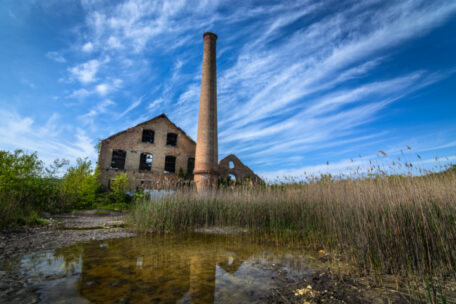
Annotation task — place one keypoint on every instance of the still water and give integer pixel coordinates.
(185, 268)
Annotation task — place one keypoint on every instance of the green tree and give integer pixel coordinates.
(23, 190)
(119, 188)
(80, 184)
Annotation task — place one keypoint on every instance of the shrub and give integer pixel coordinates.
(80, 185)
(119, 188)
(23, 191)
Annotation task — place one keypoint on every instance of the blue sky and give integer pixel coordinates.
(300, 83)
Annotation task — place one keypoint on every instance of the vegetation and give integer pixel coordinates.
(381, 221)
(28, 188)
(390, 224)
(119, 189)
(79, 186)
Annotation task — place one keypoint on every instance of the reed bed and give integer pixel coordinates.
(397, 225)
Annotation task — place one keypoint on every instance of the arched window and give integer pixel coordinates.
(232, 178)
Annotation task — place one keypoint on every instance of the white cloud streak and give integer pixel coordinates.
(56, 57)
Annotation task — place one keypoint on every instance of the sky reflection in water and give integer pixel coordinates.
(185, 268)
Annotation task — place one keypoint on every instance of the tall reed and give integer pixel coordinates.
(384, 224)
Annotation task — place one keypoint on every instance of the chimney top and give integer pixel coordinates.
(212, 35)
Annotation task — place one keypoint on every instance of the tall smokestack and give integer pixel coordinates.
(206, 157)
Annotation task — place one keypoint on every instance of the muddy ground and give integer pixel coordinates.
(323, 287)
(64, 230)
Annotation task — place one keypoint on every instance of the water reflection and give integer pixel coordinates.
(190, 268)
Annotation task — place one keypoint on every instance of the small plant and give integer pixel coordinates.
(119, 188)
(181, 173)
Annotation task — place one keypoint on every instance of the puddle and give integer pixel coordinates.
(92, 227)
(188, 268)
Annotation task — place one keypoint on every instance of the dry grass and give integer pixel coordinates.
(399, 225)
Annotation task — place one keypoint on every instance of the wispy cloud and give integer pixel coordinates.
(131, 107)
(21, 132)
(100, 108)
(87, 47)
(107, 87)
(56, 57)
(79, 93)
(86, 72)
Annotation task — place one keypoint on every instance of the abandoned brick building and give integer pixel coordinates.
(152, 154)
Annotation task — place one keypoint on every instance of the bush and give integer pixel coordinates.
(119, 188)
(80, 185)
(23, 190)
(27, 188)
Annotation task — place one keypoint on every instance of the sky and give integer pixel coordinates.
(303, 86)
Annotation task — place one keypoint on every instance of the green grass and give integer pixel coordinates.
(31, 219)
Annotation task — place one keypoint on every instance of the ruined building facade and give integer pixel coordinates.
(151, 153)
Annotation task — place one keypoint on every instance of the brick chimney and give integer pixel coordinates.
(206, 156)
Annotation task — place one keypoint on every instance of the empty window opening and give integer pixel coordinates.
(170, 164)
(145, 162)
(190, 165)
(231, 164)
(231, 178)
(118, 159)
(148, 136)
(171, 139)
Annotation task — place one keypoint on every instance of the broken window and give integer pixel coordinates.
(145, 161)
(148, 136)
(170, 164)
(171, 139)
(118, 159)
(190, 165)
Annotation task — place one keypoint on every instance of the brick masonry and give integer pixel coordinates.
(233, 165)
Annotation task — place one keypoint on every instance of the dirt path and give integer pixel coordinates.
(64, 230)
